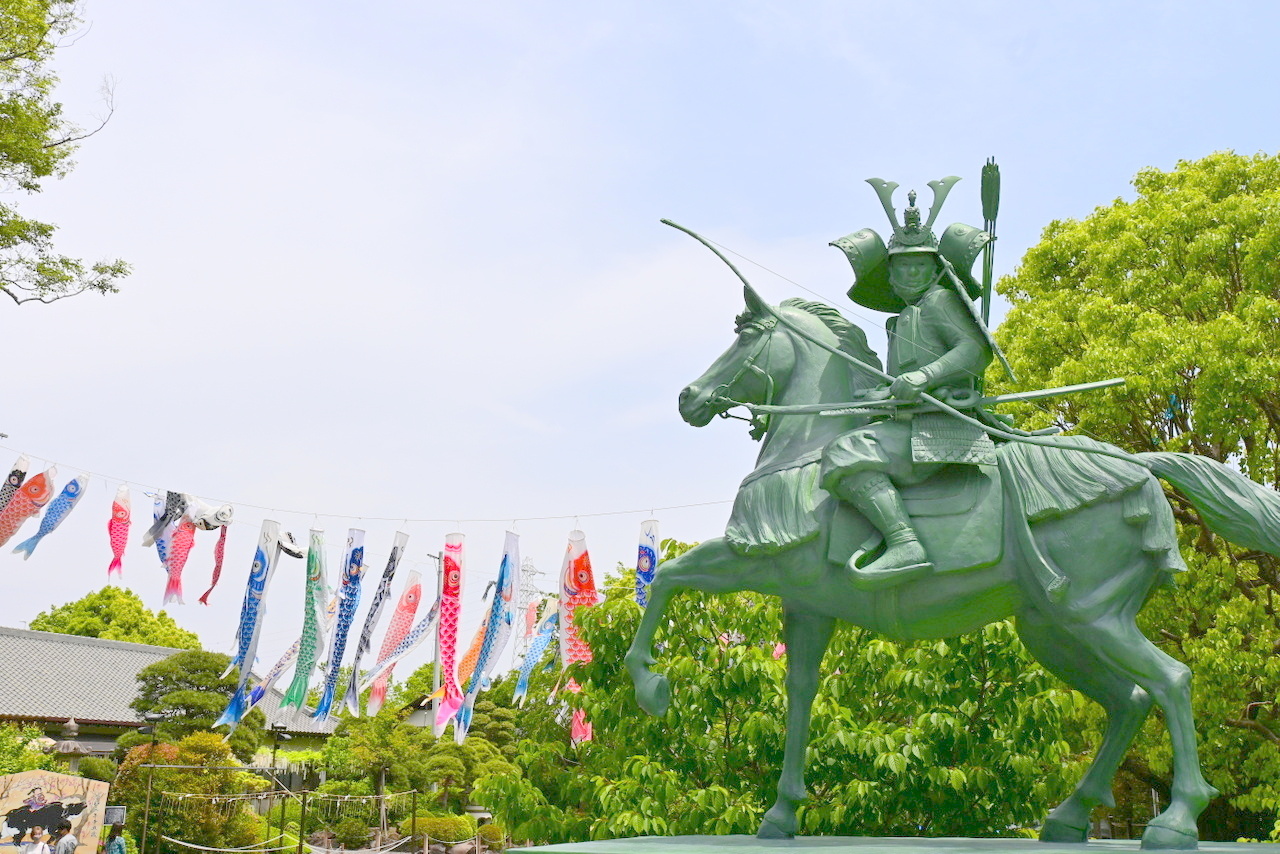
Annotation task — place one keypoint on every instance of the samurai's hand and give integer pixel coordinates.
(881, 393)
(909, 386)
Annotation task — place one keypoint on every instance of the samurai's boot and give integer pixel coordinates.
(904, 558)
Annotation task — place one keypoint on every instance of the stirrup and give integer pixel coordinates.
(879, 579)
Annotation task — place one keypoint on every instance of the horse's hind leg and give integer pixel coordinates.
(1118, 641)
(1125, 703)
(806, 637)
(710, 566)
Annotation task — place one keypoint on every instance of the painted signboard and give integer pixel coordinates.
(44, 799)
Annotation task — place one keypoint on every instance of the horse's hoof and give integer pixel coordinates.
(1054, 830)
(769, 830)
(1159, 837)
(653, 693)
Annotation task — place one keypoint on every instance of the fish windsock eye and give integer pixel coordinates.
(454, 576)
(583, 576)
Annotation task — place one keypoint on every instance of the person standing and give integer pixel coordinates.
(36, 844)
(115, 840)
(67, 842)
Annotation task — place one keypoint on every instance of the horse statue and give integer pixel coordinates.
(1066, 535)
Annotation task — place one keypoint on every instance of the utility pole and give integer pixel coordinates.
(153, 719)
(302, 820)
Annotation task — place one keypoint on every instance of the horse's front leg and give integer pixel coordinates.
(806, 637)
(710, 566)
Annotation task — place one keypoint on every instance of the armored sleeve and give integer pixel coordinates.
(967, 353)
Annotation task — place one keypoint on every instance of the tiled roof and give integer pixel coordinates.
(46, 676)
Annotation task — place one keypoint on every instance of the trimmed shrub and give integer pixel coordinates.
(493, 835)
(351, 833)
(98, 768)
(440, 828)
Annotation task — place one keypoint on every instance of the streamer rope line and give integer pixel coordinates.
(648, 508)
(318, 796)
(257, 847)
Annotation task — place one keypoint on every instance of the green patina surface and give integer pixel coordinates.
(1071, 544)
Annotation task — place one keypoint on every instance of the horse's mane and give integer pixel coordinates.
(852, 339)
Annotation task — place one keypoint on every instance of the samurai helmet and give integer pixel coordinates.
(867, 253)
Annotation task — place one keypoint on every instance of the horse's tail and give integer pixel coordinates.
(1234, 507)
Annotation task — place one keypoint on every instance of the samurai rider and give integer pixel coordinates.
(937, 345)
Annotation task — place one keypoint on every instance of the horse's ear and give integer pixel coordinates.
(756, 307)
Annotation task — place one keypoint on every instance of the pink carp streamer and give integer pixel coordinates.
(401, 621)
(219, 549)
(531, 618)
(118, 530)
(447, 637)
(180, 544)
(577, 590)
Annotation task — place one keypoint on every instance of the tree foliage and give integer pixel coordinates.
(17, 752)
(201, 819)
(36, 142)
(1178, 291)
(188, 688)
(385, 749)
(115, 614)
(961, 737)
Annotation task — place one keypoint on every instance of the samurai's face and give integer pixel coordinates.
(912, 274)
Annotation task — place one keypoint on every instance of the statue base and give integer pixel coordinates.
(864, 845)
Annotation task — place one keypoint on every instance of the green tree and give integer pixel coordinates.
(36, 142)
(203, 815)
(446, 769)
(17, 752)
(496, 725)
(962, 737)
(1176, 291)
(382, 750)
(385, 750)
(130, 786)
(188, 688)
(114, 614)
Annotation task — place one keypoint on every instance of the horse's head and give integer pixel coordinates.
(768, 357)
(750, 371)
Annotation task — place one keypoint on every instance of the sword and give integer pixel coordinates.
(1051, 392)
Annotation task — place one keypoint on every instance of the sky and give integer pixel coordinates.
(401, 268)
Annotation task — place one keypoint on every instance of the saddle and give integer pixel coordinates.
(958, 514)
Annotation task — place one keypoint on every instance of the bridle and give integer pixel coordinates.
(723, 393)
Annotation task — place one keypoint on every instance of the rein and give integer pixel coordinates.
(995, 432)
(760, 419)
